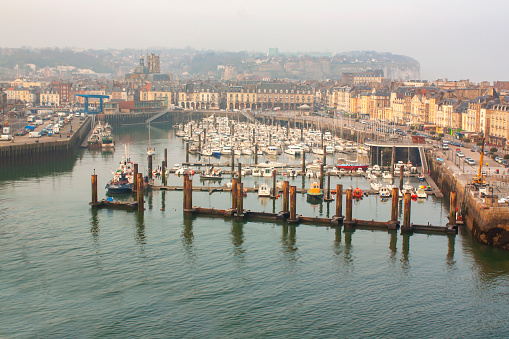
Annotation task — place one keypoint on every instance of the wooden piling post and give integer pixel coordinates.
(163, 173)
(240, 199)
(233, 160)
(274, 188)
(293, 204)
(188, 194)
(452, 208)
(94, 189)
(349, 222)
(393, 159)
(135, 178)
(256, 154)
(394, 223)
(324, 156)
(199, 142)
(406, 213)
(339, 200)
(150, 166)
(139, 193)
(187, 152)
(234, 193)
(240, 171)
(286, 192)
(401, 178)
(328, 196)
(321, 176)
(303, 169)
(166, 157)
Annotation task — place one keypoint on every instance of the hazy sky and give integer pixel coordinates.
(455, 39)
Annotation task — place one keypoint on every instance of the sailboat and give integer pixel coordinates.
(150, 150)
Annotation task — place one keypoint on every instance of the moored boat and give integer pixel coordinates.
(314, 192)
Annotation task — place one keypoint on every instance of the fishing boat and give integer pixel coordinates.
(314, 192)
(264, 191)
(120, 184)
(122, 181)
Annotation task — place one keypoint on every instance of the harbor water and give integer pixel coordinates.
(71, 271)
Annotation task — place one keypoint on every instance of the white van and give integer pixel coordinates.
(35, 135)
(56, 129)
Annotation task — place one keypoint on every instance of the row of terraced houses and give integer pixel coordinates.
(444, 106)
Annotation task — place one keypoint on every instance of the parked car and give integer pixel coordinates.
(471, 162)
(460, 154)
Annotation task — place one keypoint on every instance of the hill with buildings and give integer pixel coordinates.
(214, 65)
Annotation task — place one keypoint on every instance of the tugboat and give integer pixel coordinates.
(314, 192)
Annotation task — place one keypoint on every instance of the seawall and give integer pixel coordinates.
(45, 149)
(487, 221)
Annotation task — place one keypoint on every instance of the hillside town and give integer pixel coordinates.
(460, 108)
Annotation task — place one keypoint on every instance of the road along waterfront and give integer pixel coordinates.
(69, 270)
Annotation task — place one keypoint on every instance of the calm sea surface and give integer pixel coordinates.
(69, 271)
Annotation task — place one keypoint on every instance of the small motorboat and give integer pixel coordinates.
(211, 174)
(385, 192)
(375, 186)
(151, 151)
(421, 193)
(264, 191)
(421, 177)
(291, 173)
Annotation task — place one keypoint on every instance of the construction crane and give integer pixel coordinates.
(479, 179)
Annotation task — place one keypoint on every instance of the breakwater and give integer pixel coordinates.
(36, 149)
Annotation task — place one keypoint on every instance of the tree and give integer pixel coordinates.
(432, 132)
(441, 135)
(479, 143)
(493, 150)
(506, 156)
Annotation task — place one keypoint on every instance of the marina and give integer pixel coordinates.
(98, 258)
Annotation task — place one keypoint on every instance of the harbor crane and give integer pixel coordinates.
(479, 179)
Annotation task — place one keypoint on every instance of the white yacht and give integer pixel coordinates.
(267, 171)
(292, 173)
(386, 175)
(257, 172)
(376, 186)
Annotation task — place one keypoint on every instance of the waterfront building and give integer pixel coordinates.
(50, 97)
(242, 97)
(24, 94)
(199, 96)
(151, 92)
(287, 96)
